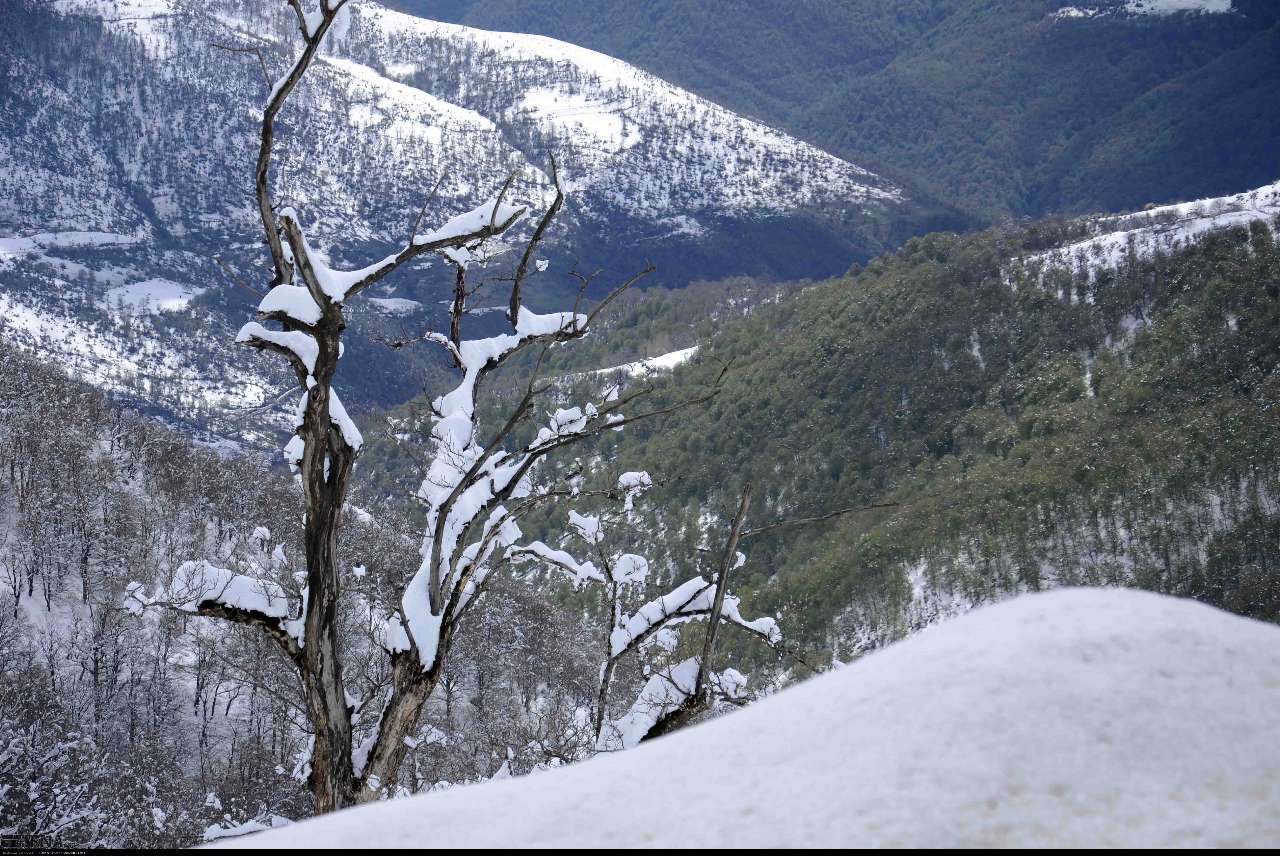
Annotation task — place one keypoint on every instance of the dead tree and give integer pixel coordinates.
(474, 492)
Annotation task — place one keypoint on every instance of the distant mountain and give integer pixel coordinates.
(128, 240)
(1007, 106)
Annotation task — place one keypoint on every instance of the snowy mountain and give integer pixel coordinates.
(412, 100)
(1016, 107)
(1153, 731)
(130, 127)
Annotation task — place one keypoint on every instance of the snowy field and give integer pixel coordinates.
(1075, 718)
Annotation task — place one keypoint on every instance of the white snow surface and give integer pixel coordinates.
(1161, 229)
(660, 363)
(1147, 8)
(1080, 717)
(154, 295)
(614, 121)
(1169, 7)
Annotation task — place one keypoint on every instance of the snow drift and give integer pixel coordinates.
(1074, 718)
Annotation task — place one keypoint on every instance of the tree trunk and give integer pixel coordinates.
(326, 468)
(413, 687)
(602, 697)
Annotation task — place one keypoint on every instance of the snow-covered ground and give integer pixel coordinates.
(1162, 229)
(1081, 717)
(660, 363)
(1149, 8)
(153, 295)
(1170, 7)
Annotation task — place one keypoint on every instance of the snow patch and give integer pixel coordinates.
(154, 295)
(1161, 229)
(395, 305)
(661, 363)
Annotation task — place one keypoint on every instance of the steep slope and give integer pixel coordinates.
(1075, 719)
(123, 118)
(1013, 106)
(483, 104)
(1035, 414)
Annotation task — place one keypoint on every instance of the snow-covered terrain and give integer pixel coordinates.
(1170, 7)
(660, 363)
(1075, 718)
(1147, 8)
(1114, 239)
(119, 224)
(615, 122)
(431, 99)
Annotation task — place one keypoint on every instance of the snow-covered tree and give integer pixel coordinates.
(474, 492)
(675, 693)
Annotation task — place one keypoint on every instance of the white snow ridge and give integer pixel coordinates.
(1114, 239)
(1075, 718)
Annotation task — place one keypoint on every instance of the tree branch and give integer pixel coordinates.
(805, 521)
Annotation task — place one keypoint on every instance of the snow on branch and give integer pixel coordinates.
(666, 692)
(298, 347)
(200, 588)
(461, 234)
(579, 572)
(692, 599)
(290, 303)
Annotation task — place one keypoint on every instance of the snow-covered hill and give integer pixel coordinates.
(1076, 718)
(131, 122)
(1114, 239)
(1144, 8)
(397, 104)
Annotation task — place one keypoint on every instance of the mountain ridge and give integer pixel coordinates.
(156, 130)
(1004, 108)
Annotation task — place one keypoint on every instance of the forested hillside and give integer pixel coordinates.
(1013, 106)
(1115, 426)
(1033, 417)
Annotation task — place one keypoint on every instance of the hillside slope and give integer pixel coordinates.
(129, 242)
(1086, 402)
(1078, 718)
(1014, 106)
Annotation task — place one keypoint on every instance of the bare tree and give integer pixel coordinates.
(474, 492)
(675, 695)
(680, 690)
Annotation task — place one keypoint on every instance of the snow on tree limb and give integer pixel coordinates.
(200, 588)
(678, 689)
(579, 573)
(666, 691)
(692, 599)
(299, 348)
(290, 302)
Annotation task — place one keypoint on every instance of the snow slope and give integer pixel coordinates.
(1082, 717)
(1114, 239)
(420, 100)
(660, 363)
(127, 145)
(1148, 8)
